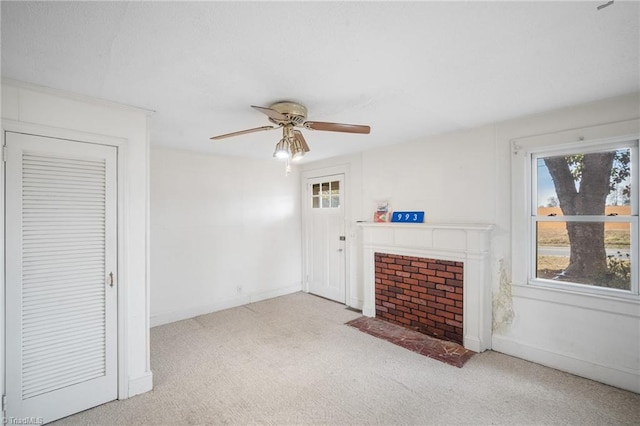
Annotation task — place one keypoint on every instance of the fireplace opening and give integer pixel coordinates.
(422, 294)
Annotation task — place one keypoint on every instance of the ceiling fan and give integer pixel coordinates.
(288, 115)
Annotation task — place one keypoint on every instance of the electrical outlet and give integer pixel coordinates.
(239, 289)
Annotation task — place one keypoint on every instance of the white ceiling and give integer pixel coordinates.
(407, 69)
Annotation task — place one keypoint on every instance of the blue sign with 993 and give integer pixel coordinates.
(408, 217)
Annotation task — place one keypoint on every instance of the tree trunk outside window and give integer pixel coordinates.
(588, 258)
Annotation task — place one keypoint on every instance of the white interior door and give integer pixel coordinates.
(325, 237)
(61, 273)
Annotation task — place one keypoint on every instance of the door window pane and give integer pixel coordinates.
(325, 195)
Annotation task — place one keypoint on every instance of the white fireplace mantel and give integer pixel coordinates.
(467, 243)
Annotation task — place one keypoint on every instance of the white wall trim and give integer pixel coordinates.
(602, 372)
(3, 364)
(356, 303)
(123, 280)
(147, 248)
(232, 302)
(60, 133)
(140, 384)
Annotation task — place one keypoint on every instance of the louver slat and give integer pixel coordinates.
(77, 315)
(56, 331)
(63, 267)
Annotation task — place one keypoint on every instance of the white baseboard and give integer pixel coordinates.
(620, 377)
(356, 303)
(169, 317)
(140, 384)
(270, 294)
(368, 312)
(473, 344)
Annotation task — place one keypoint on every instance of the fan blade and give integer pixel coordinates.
(300, 138)
(337, 127)
(243, 132)
(271, 113)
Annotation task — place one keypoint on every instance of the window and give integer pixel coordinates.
(584, 217)
(325, 195)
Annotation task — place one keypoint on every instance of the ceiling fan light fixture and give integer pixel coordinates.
(297, 151)
(282, 150)
(287, 116)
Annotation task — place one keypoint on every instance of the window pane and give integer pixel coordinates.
(577, 184)
(325, 188)
(316, 189)
(316, 203)
(325, 202)
(335, 187)
(335, 201)
(598, 254)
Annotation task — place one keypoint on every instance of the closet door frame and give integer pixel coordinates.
(121, 160)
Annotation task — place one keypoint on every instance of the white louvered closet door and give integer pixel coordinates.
(61, 233)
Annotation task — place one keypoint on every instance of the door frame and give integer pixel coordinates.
(121, 160)
(343, 169)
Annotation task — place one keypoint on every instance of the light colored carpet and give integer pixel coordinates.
(291, 360)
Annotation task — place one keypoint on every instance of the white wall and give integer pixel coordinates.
(54, 113)
(224, 232)
(450, 177)
(465, 177)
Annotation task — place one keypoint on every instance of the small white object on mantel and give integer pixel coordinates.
(467, 243)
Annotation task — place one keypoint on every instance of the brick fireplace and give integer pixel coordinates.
(423, 294)
(457, 259)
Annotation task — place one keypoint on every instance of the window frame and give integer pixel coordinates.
(525, 152)
(632, 219)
